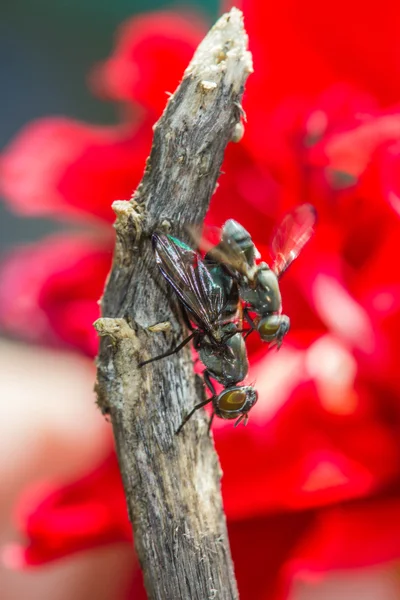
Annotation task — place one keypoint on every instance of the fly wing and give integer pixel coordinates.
(234, 249)
(231, 256)
(186, 272)
(291, 236)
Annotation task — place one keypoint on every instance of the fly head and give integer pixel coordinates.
(235, 401)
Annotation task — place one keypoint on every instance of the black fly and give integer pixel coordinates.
(210, 298)
(258, 283)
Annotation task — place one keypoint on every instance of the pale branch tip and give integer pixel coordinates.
(172, 483)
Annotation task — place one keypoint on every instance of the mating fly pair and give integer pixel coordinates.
(228, 282)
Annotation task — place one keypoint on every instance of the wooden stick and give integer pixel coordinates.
(172, 483)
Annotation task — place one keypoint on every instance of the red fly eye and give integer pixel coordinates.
(232, 400)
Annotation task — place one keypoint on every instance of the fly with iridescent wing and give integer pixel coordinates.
(210, 299)
(212, 289)
(258, 282)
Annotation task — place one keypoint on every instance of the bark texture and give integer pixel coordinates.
(172, 483)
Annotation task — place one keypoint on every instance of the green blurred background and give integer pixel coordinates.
(47, 48)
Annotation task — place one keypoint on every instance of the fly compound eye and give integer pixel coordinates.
(231, 403)
(235, 401)
(232, 400)
(269, 327)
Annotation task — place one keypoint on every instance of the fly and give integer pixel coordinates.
(210, 298)
(259, 283)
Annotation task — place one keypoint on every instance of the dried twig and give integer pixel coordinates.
(172, 483)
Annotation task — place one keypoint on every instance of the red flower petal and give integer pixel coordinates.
(361, 533)
(87, 513)
(352, 151)
(304, 46)
(260, 549)
(135, 73)
(50, 290)
(82, 516)
(268, 552)
(301, 481)
(69, 169)
(389, 174)
(137, 590)
(245, 192)
(313, 450)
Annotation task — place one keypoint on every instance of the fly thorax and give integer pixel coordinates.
(268, 292)
(229, 329)
(216, 334)
(234, 233)
(228, 363)
(220, 277)
(213, 361)
(237, 345)
(236, 364)
(249, 294)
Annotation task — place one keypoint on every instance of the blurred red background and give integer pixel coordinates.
(315, 513)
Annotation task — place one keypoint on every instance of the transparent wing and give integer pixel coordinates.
(205, 237)
(186, 272)
(291, 236)
(234, 248)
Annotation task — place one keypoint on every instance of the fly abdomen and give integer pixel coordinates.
(264, 297)
(228, 363)
(229, 288)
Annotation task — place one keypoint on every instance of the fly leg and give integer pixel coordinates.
(210, 386)
(210, 423)
(170, 352)
(250, 322)
(186, 419)
(209, 383)
(230, 335)
(196, 342)
(242, 419)
(186, 318)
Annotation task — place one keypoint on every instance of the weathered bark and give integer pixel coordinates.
(172, 482)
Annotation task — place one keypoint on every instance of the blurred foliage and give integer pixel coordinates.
(47, 48)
